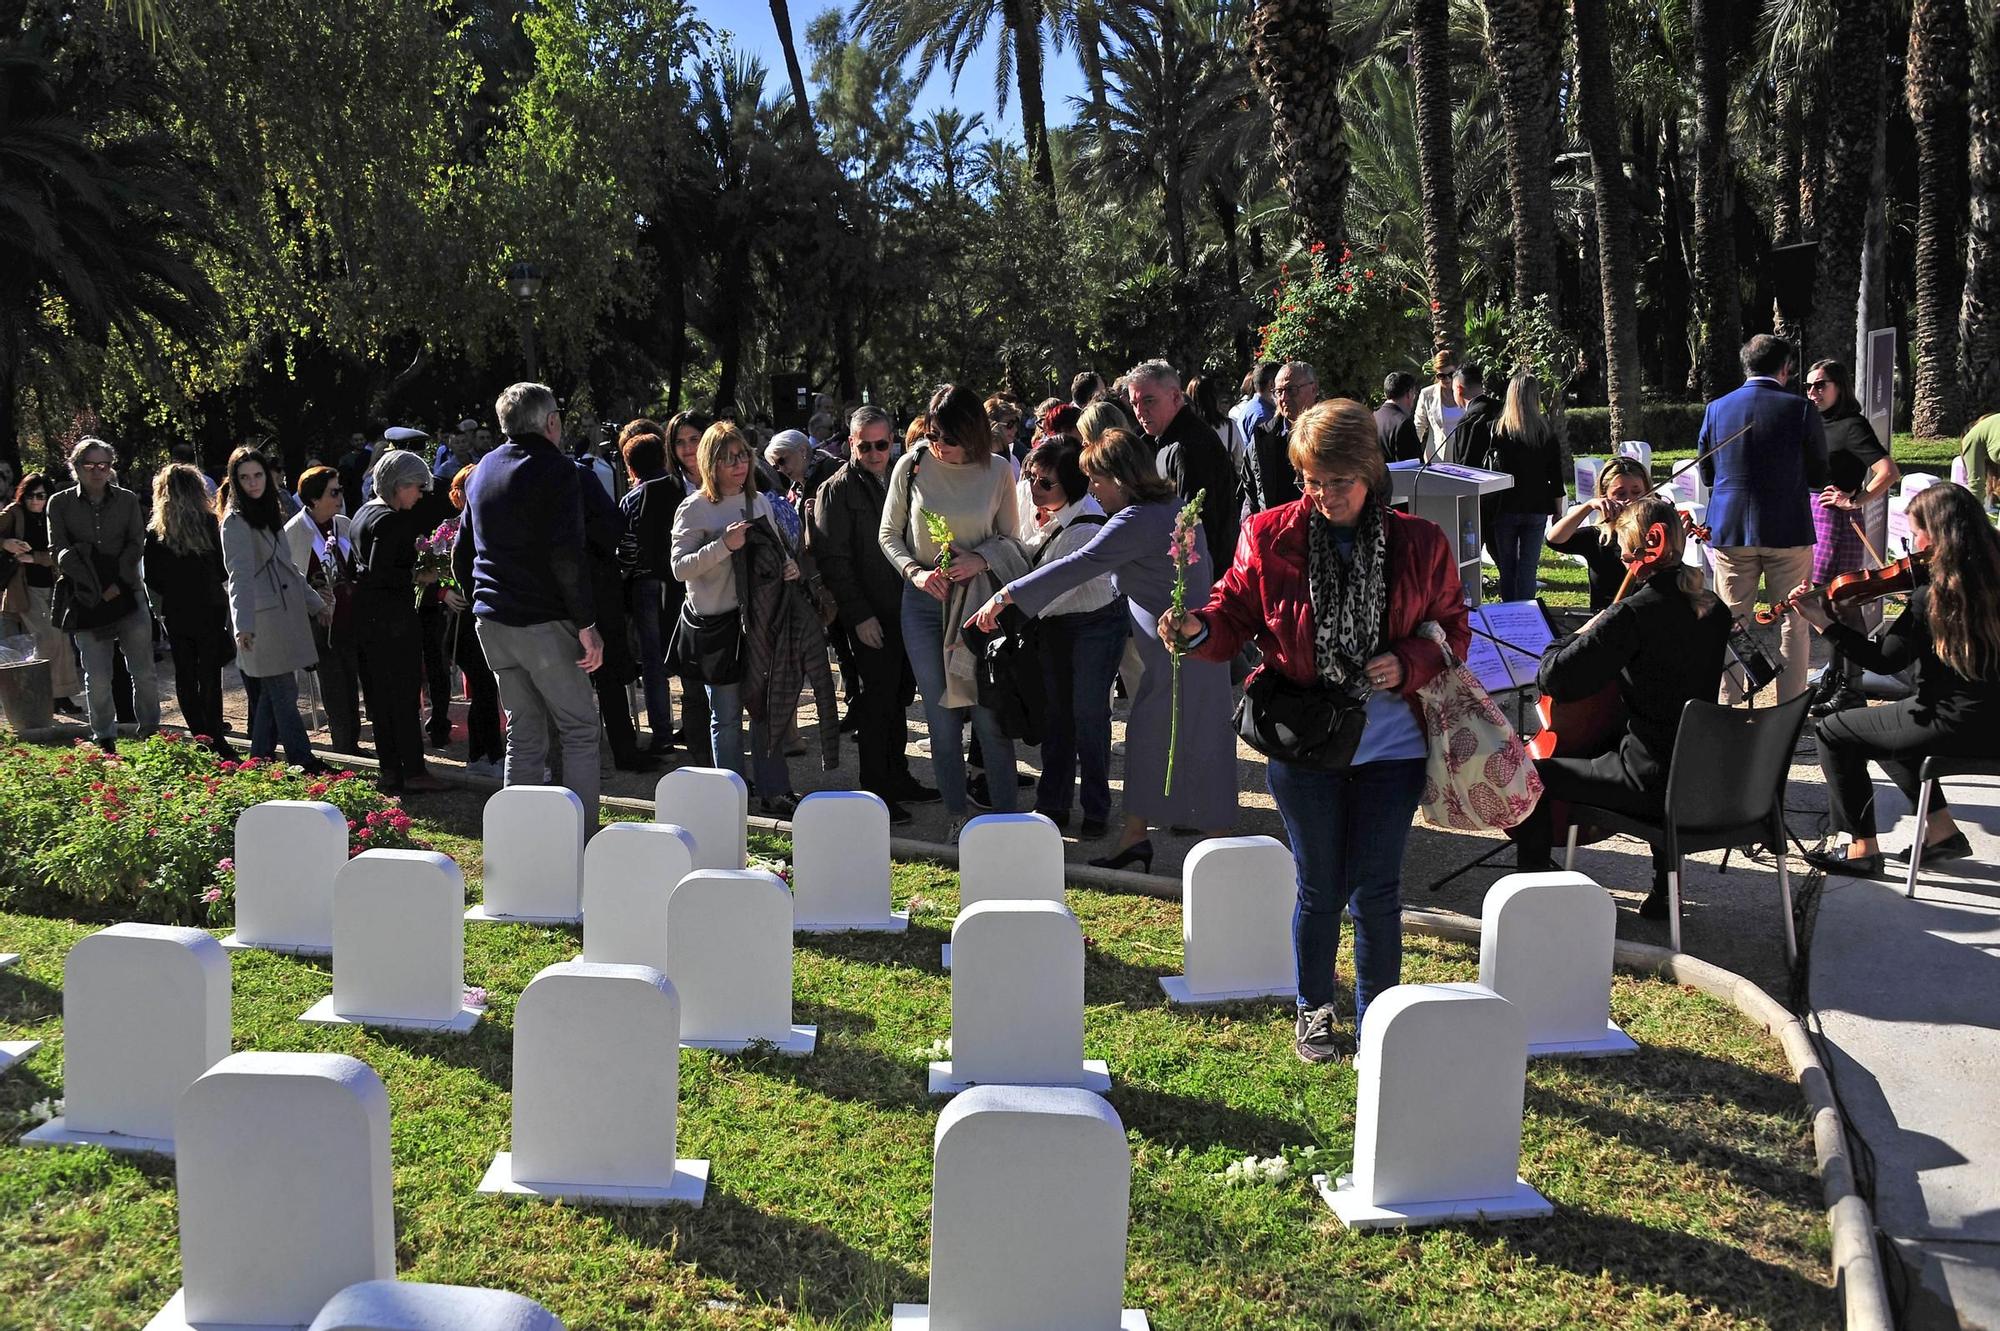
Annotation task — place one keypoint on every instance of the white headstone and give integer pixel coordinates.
(629, 870)
(145, 1012)
(1009, 857)
(596, 1088)
(840, 864)
(713, 804)
(1237, 898)
(398, 945)
(9, 959)
(532, 857)
(13, 1051)
(406, 1305)
(1437, 1133)
(283, 1176)
(287, 855)
(1030, 1190)
(1545, 944)
(1017, 1000)
(729, 953)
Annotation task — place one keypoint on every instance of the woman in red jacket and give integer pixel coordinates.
(1335, 587)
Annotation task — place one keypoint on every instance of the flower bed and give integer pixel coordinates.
(147, 834)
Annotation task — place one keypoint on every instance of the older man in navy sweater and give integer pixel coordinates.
(1758, 504)
(520, 549)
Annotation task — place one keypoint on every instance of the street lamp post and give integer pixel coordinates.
(525, 281)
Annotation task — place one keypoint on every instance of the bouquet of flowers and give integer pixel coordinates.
(1186, 523)
(940, 534)
(434, 556)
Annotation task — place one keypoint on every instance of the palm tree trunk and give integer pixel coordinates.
(1598, 98)
(1718, 302)
(1676, 267)
(1524, 45)
(1430, 58)
(1090, 51)
(781, 15)
(1979, 315)
(1938, 69)
(1298, 64)
(1024, 24)
(1852, 112)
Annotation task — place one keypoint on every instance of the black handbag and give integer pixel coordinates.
(708, 647)
(1315, 725)
(1009, 673)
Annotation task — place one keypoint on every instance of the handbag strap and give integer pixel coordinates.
(1081, 520)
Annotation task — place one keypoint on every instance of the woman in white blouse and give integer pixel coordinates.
(1083, 636)
(320, 540)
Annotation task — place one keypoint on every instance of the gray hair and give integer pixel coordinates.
(525, 409)
(1155, 370)
(90, 443)
(1298, 368)
(864, 417)
(786, 441)
(397, 468)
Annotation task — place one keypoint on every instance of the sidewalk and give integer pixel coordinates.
(1907, 993)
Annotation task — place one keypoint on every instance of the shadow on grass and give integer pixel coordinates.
(845, 1069)
(1171, 1119)
(774, 1259)
(27, 1001)
(487, 1051)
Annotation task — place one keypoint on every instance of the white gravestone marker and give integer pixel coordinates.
(1008, 857)
(533, 857)
(1237, 898)
(1030, 1190)
(1437, 1132)
(1017, 1000)
(406, 1305)
(1545, 943)
(629, 869)
(283, 1178)
(596, 1086)
(398, 945)
(840, 865)
(714, 805)
(13, 1051)
(287, 855)
(729, 954)
(145, 1012)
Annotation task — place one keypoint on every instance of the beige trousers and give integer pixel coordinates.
(1739, 570)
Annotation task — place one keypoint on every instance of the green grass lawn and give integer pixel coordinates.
(1683, 1178)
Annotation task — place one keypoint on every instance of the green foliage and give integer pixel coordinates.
(1667, 426)
(1510, 340)
(148, 835)
(1348, 317)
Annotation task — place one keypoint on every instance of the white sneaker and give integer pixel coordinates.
(486, 771)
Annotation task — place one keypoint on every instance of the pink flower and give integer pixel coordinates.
(225, 865)
(213, 895)
(475, 996)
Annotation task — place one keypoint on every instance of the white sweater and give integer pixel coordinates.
(700, 559)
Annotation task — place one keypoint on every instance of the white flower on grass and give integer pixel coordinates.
(935, 1051)
(43, 1110)
(1270, 1169)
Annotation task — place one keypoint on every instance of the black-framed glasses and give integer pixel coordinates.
(35, 494)
(1812, 384)
(879, 446)
(1043, 482)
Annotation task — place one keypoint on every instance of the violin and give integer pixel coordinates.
(1861, 586)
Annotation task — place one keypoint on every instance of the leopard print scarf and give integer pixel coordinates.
(1350, 598)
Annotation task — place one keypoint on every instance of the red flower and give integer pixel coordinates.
(1346, 254)
(1369, 273)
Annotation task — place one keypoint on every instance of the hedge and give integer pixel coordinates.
(1668, 426)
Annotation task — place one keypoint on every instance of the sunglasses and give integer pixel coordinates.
(865, 447)
(95, 466)
(36, 494)
(1812, 384)
(1042, 482)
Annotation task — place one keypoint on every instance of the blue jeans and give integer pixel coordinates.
(725, 733)
(274, 717)
(648, 608)
(1347, 831)
(132, 639)
(1080, 656)
(923, 639)
(1516, 542)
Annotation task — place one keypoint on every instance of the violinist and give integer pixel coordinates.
(1661, 644)
(1620, 481)
(1860, 472)
(1951, 633)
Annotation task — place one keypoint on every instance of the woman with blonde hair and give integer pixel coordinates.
(271, 606)
(1132, 546)
(186, 575)
(1101, 418)
(1335, 586)
(1524, 446)
(24, 534)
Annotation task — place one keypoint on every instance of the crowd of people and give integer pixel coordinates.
(985, 551)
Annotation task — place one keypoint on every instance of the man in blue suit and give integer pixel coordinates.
(1758, 503)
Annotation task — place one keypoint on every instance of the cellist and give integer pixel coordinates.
(1661, 642)
(1951, 633)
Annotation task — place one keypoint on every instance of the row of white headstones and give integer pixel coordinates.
(1029, 1161)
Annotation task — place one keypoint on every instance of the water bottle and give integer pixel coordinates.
(1468, 541)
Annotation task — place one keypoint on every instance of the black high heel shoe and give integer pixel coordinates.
(1142, 851)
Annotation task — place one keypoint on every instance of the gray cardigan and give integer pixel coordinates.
(269, 598)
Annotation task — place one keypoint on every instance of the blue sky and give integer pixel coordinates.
(749, 22)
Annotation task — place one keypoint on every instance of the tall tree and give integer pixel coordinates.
(1718, 303)
(1297, 61)
(1430, 60)
(781, 17)
(1524, 46)
(1979, 312)
(1935, 88)
(1857, 77)
(1598, 112)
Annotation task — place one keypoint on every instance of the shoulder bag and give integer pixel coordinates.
(710, 647)
(1477, 776)
(1308, 725)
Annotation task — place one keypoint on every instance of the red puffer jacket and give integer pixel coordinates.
(1266, 597)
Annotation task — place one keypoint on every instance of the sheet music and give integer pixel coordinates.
(1482, 657)
(1525, 635)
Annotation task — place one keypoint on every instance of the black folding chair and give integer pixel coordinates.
(1725, 788)
(1939, 769)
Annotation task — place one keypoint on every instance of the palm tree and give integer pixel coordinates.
(1938, 69)
(948, 32)
(1979, 313)
(781, 16)
(1598, 112)
(1524, 46)
(943, 146)
(1430, 60)
(730, 132)
(1853, 115)
(1298, 62)
(1718, 304)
